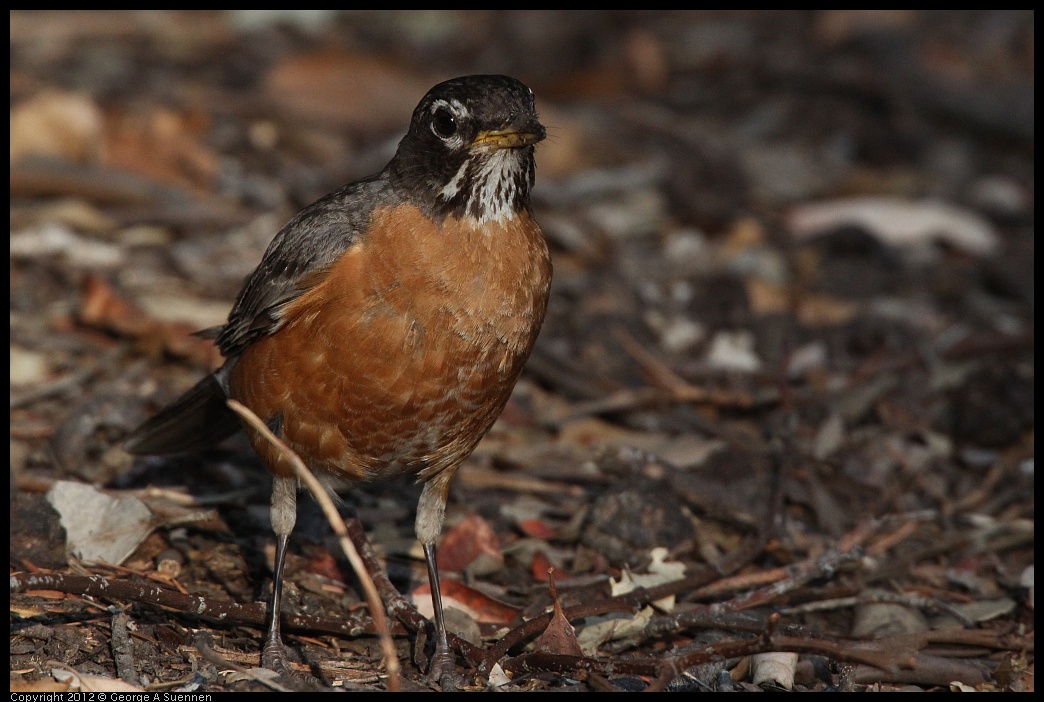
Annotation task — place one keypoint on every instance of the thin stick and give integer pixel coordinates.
(203, 643)
(391, 660)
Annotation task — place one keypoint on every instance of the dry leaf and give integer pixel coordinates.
(162, 145)
(99, 528)
(733, 351)
(475, 603)
(497, 676)
(52, 124)
(541, 565)
(613, 627)
(660, 572)
(898, 222)
(559, 637)
(93, 683)
(52, 240)
(777, 668)
(880, 619)
(28, 367)
(102, 308)
(465, 542)
(537, 528)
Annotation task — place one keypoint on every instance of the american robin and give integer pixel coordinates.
(388, 322)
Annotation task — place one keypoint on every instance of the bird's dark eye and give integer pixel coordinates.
(443, 123)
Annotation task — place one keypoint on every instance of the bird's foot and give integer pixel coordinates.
(443, 671)
(274, 658)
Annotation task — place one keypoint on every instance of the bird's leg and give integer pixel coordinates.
(442, 661)
(284, 515)
(431, 511)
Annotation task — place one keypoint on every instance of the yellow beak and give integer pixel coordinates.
(494, 140)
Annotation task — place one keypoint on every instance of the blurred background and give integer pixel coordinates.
(794, 263)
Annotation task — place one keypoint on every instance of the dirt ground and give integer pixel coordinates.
(778, 428)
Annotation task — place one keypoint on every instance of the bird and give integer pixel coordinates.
(387, 323)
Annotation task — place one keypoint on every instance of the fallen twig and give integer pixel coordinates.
(391, 659)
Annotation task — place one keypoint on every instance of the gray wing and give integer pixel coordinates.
(309, 244)
(300, 252)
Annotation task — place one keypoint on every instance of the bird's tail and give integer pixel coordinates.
(197, 420)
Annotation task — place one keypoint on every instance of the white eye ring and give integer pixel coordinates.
(446, 119)
(444, 124)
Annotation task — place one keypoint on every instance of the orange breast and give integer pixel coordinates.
(404, 354)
